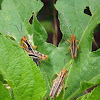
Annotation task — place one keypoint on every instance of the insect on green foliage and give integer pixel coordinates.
(23, 73)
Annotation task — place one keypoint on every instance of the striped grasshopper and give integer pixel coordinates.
(73, 46)
(35, 55)
(58, 84)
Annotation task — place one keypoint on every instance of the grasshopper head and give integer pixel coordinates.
(73, 37)
(64, 71)
(24, 38)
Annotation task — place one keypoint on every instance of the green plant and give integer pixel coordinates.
(30, 82)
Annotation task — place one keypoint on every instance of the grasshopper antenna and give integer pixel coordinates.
(66, 22)
(74, 30)
(21, 29)
(18, 29)
(64, 63)
(69, 29)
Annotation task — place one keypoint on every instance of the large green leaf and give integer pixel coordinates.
(21, 73)
(85, 66)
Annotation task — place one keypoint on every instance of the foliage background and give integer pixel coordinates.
(19, 70)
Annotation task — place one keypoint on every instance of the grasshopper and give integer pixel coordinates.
(58, 84)
(37, 56)
(26, 45)
(73, 46)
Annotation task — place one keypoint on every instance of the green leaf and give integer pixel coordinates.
(40, 36)
(4, 93)
(83, 97)
(2, 80)
(84, 67)
(48, 26)
(21, 73)
(86, 85)
(0, 4)
(17, 13)
(94, 95)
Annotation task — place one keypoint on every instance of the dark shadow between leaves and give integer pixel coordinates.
(96, 38)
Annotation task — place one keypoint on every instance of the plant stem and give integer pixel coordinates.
(55, 35)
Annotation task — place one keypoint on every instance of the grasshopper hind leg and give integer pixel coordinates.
(68, 50)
